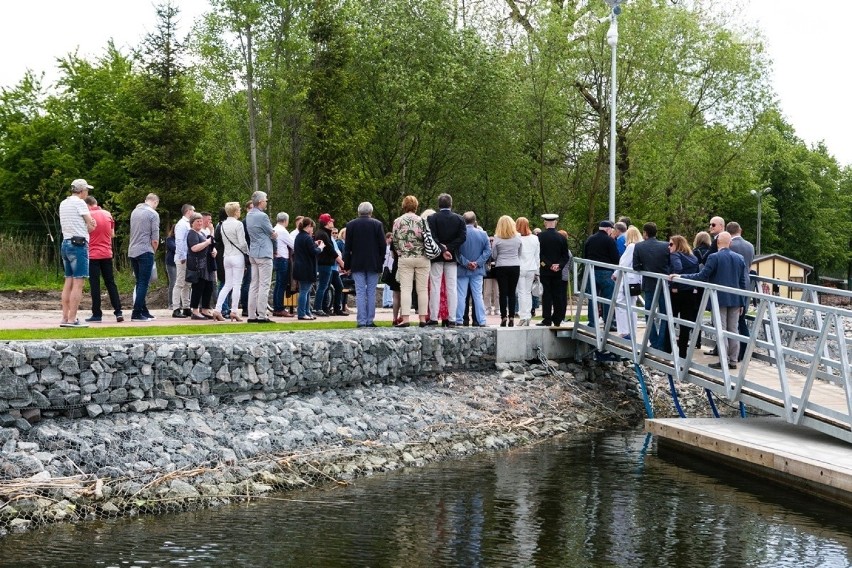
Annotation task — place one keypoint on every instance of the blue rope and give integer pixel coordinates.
(742, 410)
(674, 398)
(648, 409)
(712, 403)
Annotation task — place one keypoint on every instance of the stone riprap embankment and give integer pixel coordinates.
(91, 378)
(273, 431)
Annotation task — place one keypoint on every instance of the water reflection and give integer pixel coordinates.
(599, 501)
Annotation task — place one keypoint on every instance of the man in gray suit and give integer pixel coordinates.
(262, 235)
(746, 250)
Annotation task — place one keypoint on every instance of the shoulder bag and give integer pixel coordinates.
(429, 245)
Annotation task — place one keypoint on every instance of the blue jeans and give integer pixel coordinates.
(142, 266)
(466, 279)
(75, 259)
(304, 307)
(365, 296)
(604, 286)
(324, 274)
(659, 338)
(279, 267)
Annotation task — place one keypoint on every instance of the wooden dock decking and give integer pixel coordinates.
(801, 458)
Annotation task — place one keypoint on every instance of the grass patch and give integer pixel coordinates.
(130, 330)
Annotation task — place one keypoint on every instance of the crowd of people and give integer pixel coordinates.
(720, 255)
(436, 260)
(442, 263)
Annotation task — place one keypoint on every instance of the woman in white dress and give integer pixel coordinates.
(529, 268)
(627, 327)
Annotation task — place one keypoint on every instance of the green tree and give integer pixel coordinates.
(163, 125)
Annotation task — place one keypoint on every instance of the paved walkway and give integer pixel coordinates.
(43, 319)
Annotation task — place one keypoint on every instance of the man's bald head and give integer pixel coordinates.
(717, 225)
(723, 240)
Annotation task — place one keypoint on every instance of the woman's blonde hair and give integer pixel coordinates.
(232, 208)
(632, 235)
(702, 238)
(523, 226)
(505, 228)
(680, 244)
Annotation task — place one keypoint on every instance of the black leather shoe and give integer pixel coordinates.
(403, 324)
(719, 365)
(543, 324)
(319, 314)
(431, 323)
(713, 352)
(178, 314)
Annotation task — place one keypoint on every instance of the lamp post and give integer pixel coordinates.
(759, 194)
(612, 40)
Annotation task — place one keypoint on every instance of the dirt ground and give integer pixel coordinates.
(51, 300)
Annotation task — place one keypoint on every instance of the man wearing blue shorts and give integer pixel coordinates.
(76, 223)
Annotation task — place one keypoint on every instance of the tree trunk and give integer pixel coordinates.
(252, 111)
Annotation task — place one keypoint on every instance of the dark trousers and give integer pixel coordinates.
(244, 288)
(142, 266)
(507, 285)
(280, 268)
(742, 329)
(102, 267)
(604, 287)
(337, 285)
(201, 293)
(554, 297)
(659, 338)
(685, 306)
(323, 280)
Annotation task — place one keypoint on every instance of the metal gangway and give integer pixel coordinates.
(796, 362)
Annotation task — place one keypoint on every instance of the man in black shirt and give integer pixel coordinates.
(601, 247)
(554, 255)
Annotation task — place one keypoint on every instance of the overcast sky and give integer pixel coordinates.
(808, 40)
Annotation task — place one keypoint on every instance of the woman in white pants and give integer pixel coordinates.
(627, 328)
(234, 236)
(529, 268)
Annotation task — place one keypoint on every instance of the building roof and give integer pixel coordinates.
(808, 268)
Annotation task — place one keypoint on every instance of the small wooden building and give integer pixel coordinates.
(782, 268)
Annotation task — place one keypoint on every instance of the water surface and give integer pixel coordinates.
(605, 500)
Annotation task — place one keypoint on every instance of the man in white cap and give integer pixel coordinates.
(76, 223)
(554, 255)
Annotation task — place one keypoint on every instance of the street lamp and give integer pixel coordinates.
(612, 40)
(759, 194)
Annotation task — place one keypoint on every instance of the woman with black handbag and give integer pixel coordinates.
(685, 298)
(200, 250)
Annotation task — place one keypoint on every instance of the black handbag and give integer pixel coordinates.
(192, 276)
(78, 241)
(387, 276)
(635, 289)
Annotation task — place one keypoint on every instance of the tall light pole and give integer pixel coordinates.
(612, 40)
(759, 194)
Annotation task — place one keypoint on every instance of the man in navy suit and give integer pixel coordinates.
(652, 255)
(744, 248)
(449, 231)
(364, 256)
(725, 268)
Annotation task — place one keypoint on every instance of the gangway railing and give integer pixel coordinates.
(795, 358)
